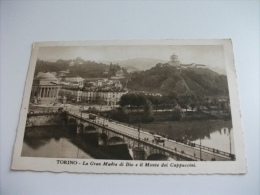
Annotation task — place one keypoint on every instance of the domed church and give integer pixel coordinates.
(45, 88)
(174, 60)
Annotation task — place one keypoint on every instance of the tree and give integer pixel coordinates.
(178, 113)
(139, 101)
(120, 114)
(155, 100)
(127, 100)
(148, 112)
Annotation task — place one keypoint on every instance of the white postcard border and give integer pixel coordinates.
(173, 167)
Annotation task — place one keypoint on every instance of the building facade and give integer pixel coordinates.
(174, 60)
(45, 89)
(109, 97)
(72, 81)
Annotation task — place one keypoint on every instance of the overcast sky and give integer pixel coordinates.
(209, 55)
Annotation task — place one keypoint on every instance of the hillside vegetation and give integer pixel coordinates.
(166, 79)
(85, 69)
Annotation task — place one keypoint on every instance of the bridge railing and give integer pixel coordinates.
(232, 156)
(51, 111)
(214, 150)
(217, 151)
(163, 148)
(43, 111)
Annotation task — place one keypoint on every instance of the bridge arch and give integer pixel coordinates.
(157, 156)
(72, 126)
(72, 121)
(103, 139)
(89, 129)
(115, 140)
(80, 128)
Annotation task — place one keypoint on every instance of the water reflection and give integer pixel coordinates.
(221, 139)
(51, 147)
(194, 130)
(212, 133)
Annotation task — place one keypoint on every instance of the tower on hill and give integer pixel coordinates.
(174, 60)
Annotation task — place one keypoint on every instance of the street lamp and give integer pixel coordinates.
(229, 130)
(200, 149)
(139, 135)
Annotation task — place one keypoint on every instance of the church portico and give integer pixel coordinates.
(45, 89)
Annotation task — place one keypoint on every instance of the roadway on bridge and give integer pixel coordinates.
(170, 144)
(205, 155)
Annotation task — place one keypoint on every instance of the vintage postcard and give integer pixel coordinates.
(143, 107)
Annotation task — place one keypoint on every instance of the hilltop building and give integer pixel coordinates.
(193, 65)
(45, 89)
(174, 60)
(120, 73)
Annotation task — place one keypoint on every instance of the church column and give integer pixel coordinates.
(39, 92)
(52, 92)
(42, 95)
(48, 92)
(44, 92)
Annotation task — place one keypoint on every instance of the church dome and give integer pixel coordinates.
(45, 76)
(174, 57)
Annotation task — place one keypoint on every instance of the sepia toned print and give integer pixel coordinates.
(152, 107)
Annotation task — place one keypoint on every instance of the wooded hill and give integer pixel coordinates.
(165, 79)
(162, 78)
(82, 68)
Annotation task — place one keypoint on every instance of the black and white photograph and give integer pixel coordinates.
(158, 103)
(129, 97)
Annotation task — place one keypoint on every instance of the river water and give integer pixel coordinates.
(221, 140)
(217, 134)
(213, 134)
(52, 148)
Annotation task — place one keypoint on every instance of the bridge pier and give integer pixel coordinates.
(138, 153)
(138, 149)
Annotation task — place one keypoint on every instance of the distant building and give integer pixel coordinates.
(119, 73)
(193, 65)
(100, 83)
(183, 66)
(174, 60)
(102, 96)
(200, 66)
(105, 83)
(77, 82)
(45, 88)
(109, 97)
(71, 93)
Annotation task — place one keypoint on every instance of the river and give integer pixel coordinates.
(211, 133)
(52, 148)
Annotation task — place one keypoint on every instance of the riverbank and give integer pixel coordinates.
(45, 138)
(191, 130)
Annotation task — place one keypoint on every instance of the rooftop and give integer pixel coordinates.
(47, 76)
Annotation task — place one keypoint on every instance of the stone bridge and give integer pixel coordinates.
(103, 135)
(120, 141)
